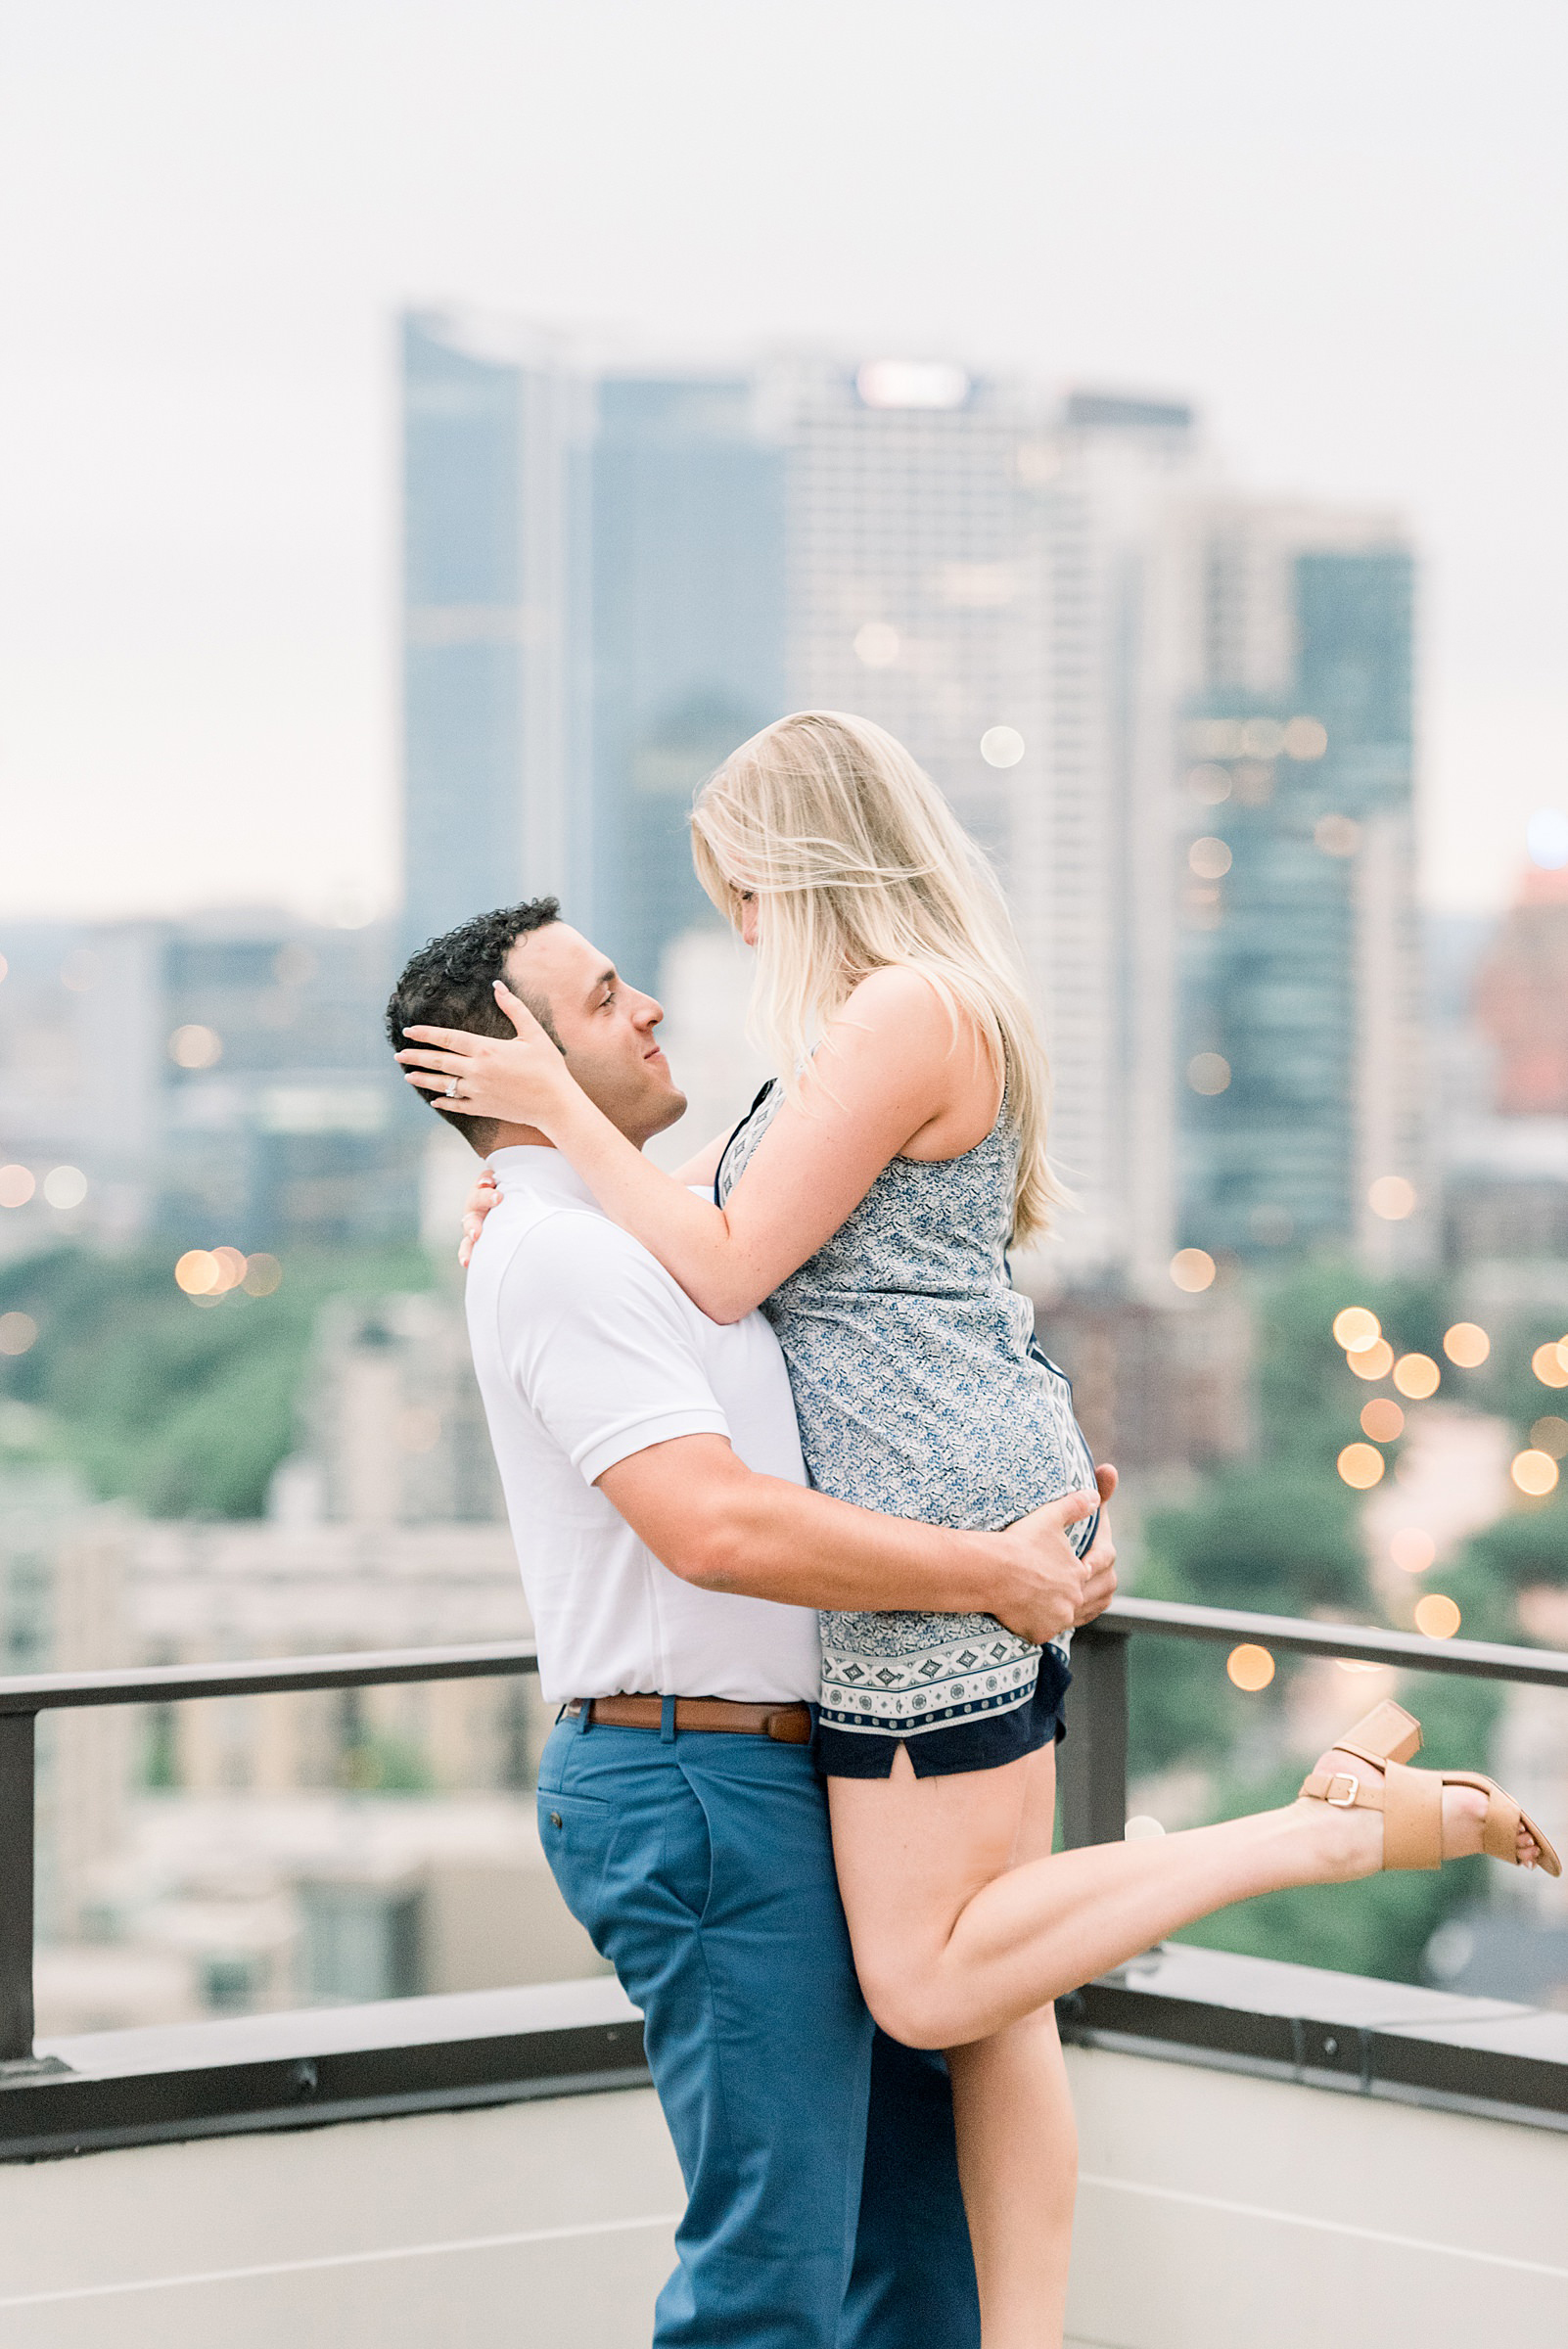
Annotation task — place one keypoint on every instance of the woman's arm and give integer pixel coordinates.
(891, 1072)
(701, 1168)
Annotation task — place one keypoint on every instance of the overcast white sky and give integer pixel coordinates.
(1342, 228)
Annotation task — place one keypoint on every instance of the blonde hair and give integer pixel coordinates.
(860, 865)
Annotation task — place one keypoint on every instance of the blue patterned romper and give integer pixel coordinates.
(921, 1393)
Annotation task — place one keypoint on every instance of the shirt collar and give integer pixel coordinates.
(531, 1170)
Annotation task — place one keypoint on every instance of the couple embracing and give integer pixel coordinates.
(805, 1523)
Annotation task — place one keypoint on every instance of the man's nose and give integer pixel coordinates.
(649, 1013)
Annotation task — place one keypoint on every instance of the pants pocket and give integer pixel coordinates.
(576, 1833)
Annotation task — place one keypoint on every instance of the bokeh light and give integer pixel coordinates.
(1209, 1072)
(1192, 1269)
(65, 1187)
(1210, 859)
(263, 1274)
(1533, 1472)
(1549, 1363)
(1305, 738)
(1141, 1827)
(80, 972)
(1355, 1327)
(1392, 1197)
(1360, 1467)
(1436, 1616)
(197, 1272)
(1547, 839)
(231, 1264)
(17, 1185)
(1209, 784)
(19, 1332)
(1337, 834)
(876, 645)
(1467, 1345)
(1382, 1420)
(1413, 1549)
(1250, 1668)
(1417, 1376)
(1550, 1435)
(1001, 745)
(196, 1047)
(1372, 1361)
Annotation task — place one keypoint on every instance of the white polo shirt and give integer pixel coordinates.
(587, 1352)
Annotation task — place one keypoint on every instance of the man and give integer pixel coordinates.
(673, 1558)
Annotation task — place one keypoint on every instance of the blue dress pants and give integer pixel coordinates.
(824, 2209)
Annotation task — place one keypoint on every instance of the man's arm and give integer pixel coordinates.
(716, 1523)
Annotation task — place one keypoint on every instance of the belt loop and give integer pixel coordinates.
(584, 1717)
(666, 1721)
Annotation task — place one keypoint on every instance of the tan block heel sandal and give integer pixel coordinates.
(1411, 1800)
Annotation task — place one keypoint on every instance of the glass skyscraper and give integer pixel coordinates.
(1298, 1074)
(593, 616)
(688, 636)
(494, 576)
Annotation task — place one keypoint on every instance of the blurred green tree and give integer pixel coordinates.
(182, 1407)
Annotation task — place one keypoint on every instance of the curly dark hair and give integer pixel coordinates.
(449, 984)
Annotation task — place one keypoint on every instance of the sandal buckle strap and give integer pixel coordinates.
(1347, 1779)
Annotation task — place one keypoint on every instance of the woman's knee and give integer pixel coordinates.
(911, 2013)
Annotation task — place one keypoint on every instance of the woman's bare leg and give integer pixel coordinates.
(948, 1948)
(1018, 2142)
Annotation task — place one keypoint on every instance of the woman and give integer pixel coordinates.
(867, 1203)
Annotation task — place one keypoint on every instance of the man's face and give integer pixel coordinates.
(606, 1027)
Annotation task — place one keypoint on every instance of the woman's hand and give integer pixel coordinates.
(521, 1080)
(1099, 1563)
(475, 1207)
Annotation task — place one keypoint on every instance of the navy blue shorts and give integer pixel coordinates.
(984, 1743)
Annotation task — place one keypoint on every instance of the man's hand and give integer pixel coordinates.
(475, 1207)
(1042, 1580)
(1099, 1566)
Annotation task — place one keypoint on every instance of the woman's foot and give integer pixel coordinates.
(1352, 1839)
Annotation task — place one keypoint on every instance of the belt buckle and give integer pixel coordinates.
(1342, 1802)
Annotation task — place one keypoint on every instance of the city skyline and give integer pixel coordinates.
(197, 617)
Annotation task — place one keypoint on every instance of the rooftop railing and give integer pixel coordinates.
(23, 1699)
(1094, 1790)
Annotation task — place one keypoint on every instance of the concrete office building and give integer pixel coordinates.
(1092, 874)
(280, 1111)
(223, 1078)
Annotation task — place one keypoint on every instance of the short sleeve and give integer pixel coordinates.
(601, 1344)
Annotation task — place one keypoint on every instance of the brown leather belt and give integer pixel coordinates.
(786, 1724)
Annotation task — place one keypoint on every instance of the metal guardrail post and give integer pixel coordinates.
(16, 1756)
(1095, 1754)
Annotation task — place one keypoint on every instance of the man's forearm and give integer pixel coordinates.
(762, 1537)
(718, 1524)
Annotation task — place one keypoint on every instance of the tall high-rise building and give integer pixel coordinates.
(279, 1102)
(688, 636)
(495, 584)
(1091, 870)
(1522, 999)
(914, 580)
(1298, 1066)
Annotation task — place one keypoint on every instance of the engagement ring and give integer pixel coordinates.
(451, 1086)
